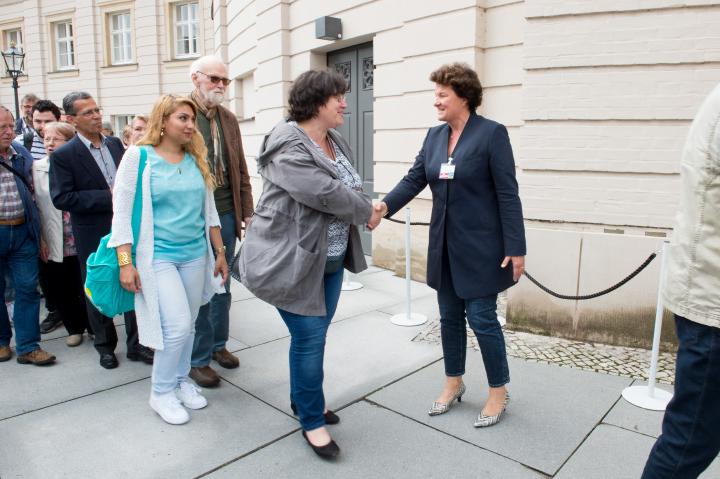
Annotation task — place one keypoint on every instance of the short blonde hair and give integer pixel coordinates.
(65, 129)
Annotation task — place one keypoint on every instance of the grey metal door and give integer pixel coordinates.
(356, 65)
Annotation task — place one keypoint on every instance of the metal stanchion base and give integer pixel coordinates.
(351, 286)
(639, 396)
(414, 319)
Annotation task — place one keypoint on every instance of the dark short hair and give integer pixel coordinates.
(311, 90)
(463, 80)
(71, 98)
(46, 105)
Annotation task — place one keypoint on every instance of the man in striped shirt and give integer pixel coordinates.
(42, 113)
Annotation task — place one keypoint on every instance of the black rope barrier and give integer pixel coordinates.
(412, 223)
(599, 293)
(566, 296)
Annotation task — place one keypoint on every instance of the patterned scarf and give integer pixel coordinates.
(217, 164)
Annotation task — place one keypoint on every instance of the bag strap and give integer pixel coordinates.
(137, 205)
(28, 138)
(17, 173)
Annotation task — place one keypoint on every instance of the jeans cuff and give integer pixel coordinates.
(500, 384)
(314, 425)
(454, 375)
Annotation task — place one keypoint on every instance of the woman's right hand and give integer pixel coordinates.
(129, 278)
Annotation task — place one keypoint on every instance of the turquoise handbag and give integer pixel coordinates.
(102, 282)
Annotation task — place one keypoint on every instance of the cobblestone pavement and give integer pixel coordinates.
(602, 358)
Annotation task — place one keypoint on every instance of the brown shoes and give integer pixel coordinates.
(205, 377)
(5, 353)
(38, 357)
(226, 359)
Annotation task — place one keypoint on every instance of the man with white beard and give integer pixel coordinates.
(233, 199)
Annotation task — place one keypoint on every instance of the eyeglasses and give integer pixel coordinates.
(90, 113)
(216, 79)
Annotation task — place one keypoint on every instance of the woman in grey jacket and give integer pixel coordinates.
(303, 233)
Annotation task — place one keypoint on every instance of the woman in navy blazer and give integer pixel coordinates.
(476, 231)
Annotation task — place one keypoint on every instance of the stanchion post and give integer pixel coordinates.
(649, 397)
(348, 284)
(408, 318)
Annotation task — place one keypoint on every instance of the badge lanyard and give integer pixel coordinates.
(447, 170)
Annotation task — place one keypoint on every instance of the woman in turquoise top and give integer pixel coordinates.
(175, 270)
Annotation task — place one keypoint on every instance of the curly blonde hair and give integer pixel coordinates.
(163, 108)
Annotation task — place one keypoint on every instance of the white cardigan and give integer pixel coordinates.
(50, 217)
(147, 308)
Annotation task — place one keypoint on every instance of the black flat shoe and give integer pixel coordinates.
(330, 417)
(328, 451)
(108, 361)
(141, 353)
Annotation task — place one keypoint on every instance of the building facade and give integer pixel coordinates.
(124, 53)
(597, 98)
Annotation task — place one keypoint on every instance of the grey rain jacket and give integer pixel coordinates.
(282, 260)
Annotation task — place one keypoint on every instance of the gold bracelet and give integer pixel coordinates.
(220, 250)
(124, 258)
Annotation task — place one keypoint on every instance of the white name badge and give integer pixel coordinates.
(447, 170)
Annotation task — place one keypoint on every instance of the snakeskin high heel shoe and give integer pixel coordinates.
(487, 421)
(438, 408)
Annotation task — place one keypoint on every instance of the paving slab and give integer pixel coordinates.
(362, 354)
(637, 419)
(255, 322)
(115, 434)
(75, 374)
(617, 453)
(426, 305)
(375, 442)
(547, 402)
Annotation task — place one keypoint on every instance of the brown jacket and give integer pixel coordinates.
(237, 168)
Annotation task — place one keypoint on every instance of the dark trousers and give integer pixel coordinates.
(104, 329)
(690, 438)
(69, 294)
(481, 314)
(48, 286)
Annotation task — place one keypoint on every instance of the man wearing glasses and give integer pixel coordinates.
(82, 173)
(233, 199)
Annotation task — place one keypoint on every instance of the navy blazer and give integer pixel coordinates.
(78, 186)
(478, 212)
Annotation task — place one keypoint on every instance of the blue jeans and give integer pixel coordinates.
(180, 287)
(690, 438)
(482, 317)
(307, 350)
(212, 327)
(19, 258)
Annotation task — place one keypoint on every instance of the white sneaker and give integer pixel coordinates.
(169, 408)
(189, 395)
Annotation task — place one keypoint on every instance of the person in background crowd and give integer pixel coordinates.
(233, 199)
(690, 438)
(174, 266)
(477, 237)
(82, 174)
(127, 131)
(107, 129)
(24, 123)
(42, 113)
(57, 245)
(138, 127)
(19, 239)
(304, 233)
